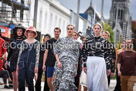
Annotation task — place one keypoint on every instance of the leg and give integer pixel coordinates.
(131, 82)
(50, 71)
(49, 81)
(124, 81)
(38, 82)
(100, 82)
(79, 87)
(29, 80)
(67, 82)
(14, 80)
(85, 88)
(46, 88)
(118, 84)
(4, 74)
(109, 80)
(21, 78)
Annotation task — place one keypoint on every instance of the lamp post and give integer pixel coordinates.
(35, 13)
(77, 19)
(102, 6)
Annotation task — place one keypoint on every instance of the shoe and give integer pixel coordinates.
(7, 87)
(10, 86)
(10, 82)
(1, 83)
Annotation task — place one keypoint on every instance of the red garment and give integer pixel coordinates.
(2, 51)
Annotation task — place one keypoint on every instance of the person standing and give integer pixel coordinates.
(49, 58)
(83, 76)
(18, 37)
(3, 73)
(118, 82)
(112, 57)
(96, 60)
(40, 71)
(75, 35)
(66, 52)
(127, 67)
(28, 59)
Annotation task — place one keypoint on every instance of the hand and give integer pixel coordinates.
(119, 73)
(44, 68)
(17, 68)
(85, 69)
(59, 65)
(6, 64)
(108, 72)
(75, 75)
(112, 74)
(36, 69)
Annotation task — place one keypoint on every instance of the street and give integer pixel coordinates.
(111, 88)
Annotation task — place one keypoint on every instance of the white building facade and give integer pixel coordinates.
(50, 14)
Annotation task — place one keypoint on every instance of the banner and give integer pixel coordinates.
(5, 31)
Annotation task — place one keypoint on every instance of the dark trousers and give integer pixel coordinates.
(109, 77)
(78, 75)
(26, 74)
(118, 84)
(46, 88)
(5, 75)
(38, 82)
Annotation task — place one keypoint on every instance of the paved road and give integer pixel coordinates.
(111, 88)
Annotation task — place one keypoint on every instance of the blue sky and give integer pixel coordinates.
(72, 4)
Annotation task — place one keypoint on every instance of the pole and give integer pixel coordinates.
(35, 13)
(77, 19)
(94, 15)
(102, 6)
(115, 39)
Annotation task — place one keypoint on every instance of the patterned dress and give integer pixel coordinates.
(68, 53)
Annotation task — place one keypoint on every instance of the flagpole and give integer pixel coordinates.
(77, 19)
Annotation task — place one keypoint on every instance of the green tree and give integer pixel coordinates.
(107, 27)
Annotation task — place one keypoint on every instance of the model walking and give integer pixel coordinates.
(67, 54)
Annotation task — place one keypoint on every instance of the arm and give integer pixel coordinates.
(84, 53)
(4, 50)
(44, 59)
(56, 49)
(113, 54)
(9, 55)
(20, 52)
(119, 60)
(119, 72)
(37, 57)
(107, 55)
(57, 58)
(37, 54)
(10, 51)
